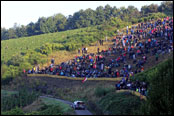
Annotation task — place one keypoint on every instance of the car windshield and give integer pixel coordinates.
(80, 103)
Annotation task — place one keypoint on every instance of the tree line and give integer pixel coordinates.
(84, 18)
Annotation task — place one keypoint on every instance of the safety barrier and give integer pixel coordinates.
(74, 78)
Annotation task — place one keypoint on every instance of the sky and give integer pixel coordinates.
(24, 12)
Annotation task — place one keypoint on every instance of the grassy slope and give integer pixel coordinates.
(14, 46)
(36, 105)
(8, 93)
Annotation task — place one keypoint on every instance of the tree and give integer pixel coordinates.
(21, 31)
(60, 22)
(51, 24)
(107, 12)
(4, 34)
(12, 33)
(100, 18)
(40, 26)
(166, 7)
(30, 29)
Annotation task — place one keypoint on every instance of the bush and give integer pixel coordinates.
(23, 98)
(160, 95)
(123, 103)
(15, 111)
(46, 49)
(134, 20)
(51, 110)
(100, 91)
(56, 46)
(15, 60)
(140, 20)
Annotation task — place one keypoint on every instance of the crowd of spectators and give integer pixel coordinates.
(129, 54)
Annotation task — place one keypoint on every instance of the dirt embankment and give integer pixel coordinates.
(66, 83)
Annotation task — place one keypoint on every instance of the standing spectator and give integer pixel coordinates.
(98, 50)
(86, 50)
(52, 61)
(79, 51)
(102, 42)
(83, 50)
(24, 71)
(106, 39)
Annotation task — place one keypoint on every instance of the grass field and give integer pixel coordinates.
(52, 101)
(15, 46)
(8, 93)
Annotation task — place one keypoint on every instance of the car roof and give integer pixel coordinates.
(78, 101)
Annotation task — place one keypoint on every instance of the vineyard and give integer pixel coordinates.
(22, 45)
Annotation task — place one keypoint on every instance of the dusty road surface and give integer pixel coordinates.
(78, 112)
(83, 112)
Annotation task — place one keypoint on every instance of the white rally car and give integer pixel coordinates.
(78, 105)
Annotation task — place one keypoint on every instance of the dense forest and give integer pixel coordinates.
(84, 18)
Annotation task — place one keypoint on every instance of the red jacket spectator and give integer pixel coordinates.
(149, 40)
(152, 31)
(138, 51)
(94, 66)
(90, 57)
(118, 75)
(60, 68)
(24, 71)
(51, 69)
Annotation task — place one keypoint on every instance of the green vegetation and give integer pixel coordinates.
(15, 111)
(19, 99)
(15, 101)
(45, 110)
(160, 95)
(123, 103)
(100, 91)
(51, 101)
(48, 110)
(8, 93)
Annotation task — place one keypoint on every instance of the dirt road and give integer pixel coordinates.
(78, 112)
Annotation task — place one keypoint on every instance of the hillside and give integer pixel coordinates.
(26, 52)
(101, 97)
(22, 45)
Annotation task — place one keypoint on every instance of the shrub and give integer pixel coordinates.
(15, 60)
(160, 95)
(100, 91)
(123, 103)
(15, 111)
(56, 46)
(46, 49)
